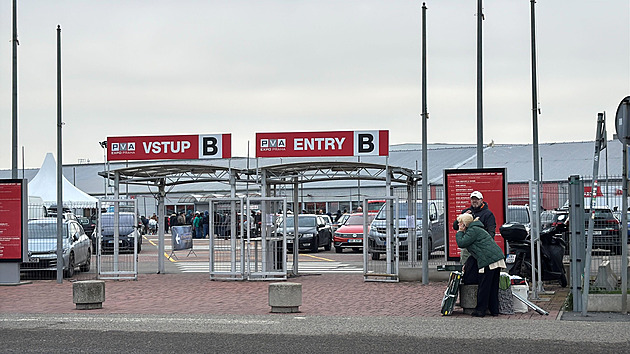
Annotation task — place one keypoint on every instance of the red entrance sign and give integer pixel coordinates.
(11, 220)
(492, 183)
(167, 147)
(320, 144)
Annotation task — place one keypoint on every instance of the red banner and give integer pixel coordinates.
(459, 185)
(320, 144)
(11, 221)
(168, 147)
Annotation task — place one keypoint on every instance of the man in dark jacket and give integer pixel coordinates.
(479, 209)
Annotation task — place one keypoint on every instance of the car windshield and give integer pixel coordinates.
(358, 219)
(45, 230)
(302, 222)
(402, 211)
(519, 215)
(125, 224)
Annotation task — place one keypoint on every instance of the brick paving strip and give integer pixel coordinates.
(322, 295)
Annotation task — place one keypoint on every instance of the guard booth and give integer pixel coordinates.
(381, 258)
(118, 239)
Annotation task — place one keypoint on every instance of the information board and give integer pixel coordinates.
(13, 199)
(459, 184)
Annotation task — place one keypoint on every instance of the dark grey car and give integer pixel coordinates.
(313, 232)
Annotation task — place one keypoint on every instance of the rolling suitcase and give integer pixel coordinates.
(450, 295)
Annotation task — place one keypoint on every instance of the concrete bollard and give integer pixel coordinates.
(468, 297)
(88, 294)
(285, 297)
(606, 277)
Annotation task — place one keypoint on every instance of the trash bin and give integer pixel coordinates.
(521, 290)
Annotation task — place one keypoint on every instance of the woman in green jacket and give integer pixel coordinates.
(490, 259)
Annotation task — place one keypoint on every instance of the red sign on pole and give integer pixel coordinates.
(11, 220)
(168, 147)
(320, 144)
(459, 184)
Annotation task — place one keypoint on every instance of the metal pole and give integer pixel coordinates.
(479, 87)
(14, 104)
(59, 166)
(601, 126)
(161, 241)
(425, 166)
(624, 232)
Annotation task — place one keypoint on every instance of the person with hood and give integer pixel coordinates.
(206, 224)
(472, 236)
(198, 225)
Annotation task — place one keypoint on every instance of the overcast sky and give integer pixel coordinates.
(233, 66)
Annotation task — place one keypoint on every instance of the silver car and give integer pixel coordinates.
(42, 247)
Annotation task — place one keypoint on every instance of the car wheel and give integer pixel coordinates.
(86, 267)
(328, 245)
(69, 273)
(376, 256)
(315, 245)
(338, 249)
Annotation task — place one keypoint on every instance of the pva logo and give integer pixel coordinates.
(120, 147)
(273, 143)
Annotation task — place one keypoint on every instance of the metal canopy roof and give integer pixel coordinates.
(174, 174)
(314, 171)
(332, 170)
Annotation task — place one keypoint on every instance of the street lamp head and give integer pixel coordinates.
(103, 144)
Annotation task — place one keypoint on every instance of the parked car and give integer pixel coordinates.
(606, 229)
(127, 229)
(519, 214)
(42, 247)
(554, 217)
(342, 219)
(313, 232)
(377, 237)
(350, 235)
(87, 224)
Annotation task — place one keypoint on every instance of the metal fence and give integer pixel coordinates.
(77, 242)
(119, 239)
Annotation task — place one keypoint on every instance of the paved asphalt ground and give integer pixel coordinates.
(340, 313)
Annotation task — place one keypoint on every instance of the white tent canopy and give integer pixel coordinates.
(44, 185)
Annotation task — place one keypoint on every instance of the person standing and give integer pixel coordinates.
(198, 225)
(478, 209)
(472, 235)
(206, 224)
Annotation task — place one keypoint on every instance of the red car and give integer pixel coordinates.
(350, 234)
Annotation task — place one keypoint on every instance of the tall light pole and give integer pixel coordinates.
(14, 106)
(479, 88)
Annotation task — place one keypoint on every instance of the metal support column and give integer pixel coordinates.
(576, 239)
(160, 226)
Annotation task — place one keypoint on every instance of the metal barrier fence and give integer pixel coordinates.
(227, 244)
(118, 239)
(382, 238)
(77, 241)
(248, 239)
(267, 239)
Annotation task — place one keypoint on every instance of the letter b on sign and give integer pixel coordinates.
(366, 143)
(209, 146)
